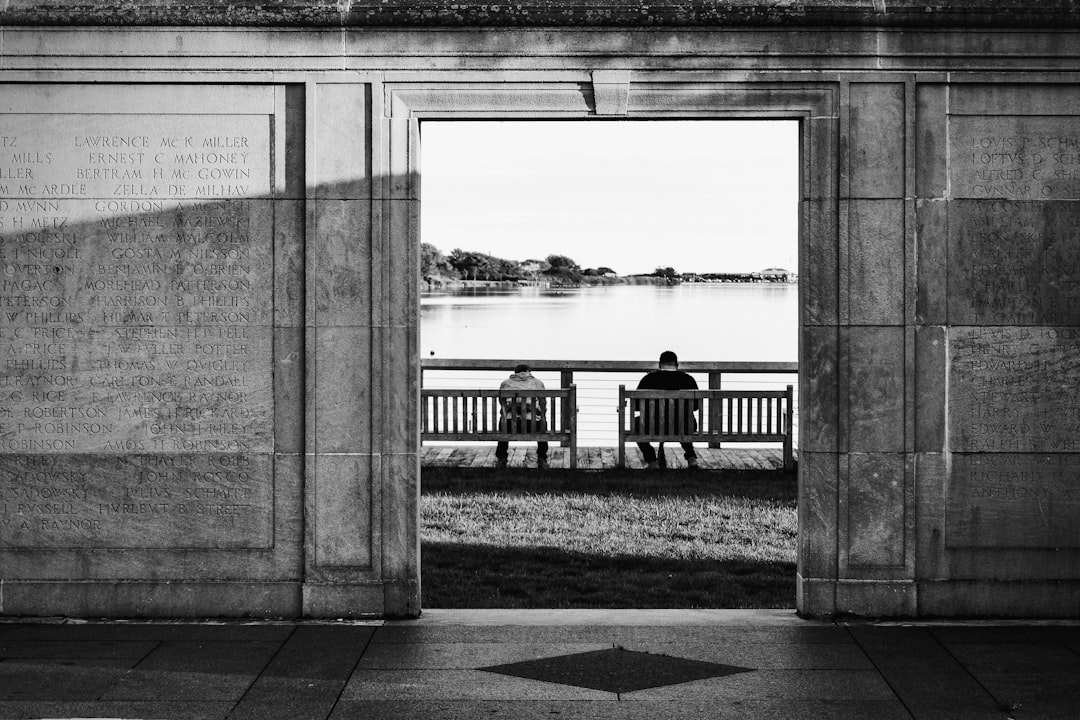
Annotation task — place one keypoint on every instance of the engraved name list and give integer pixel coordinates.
(135, 330)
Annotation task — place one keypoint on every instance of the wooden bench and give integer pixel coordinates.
(710, 416)
(477, 414)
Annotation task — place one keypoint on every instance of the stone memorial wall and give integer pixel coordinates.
(1010, 313)
(209, 297)
(135, 330)
(137, 313)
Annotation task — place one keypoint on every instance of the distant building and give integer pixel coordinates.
(777, 275)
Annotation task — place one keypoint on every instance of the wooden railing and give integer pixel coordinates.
(716, 372)
(567, 368)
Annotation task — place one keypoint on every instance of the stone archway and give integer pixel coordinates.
(612, 94)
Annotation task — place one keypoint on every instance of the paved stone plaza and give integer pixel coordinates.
(459, 664)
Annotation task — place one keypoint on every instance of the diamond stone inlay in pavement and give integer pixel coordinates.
(616, 670)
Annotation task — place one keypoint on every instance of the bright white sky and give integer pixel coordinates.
(704, 196)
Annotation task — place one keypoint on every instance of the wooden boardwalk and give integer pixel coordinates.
(600, 458)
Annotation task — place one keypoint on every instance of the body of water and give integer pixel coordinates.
(699, 321)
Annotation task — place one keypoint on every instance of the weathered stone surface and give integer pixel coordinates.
(875, 262)
(340, 387)
(992, 99)
(874, 508)
(931, 178)
(137, 287)
(818, 264)
(930, 483)
(875, 360)
(1010, 500)
(1014, 389)
(876, 135)
(818, 390)
(137, 332)
(339, 285)
(342, 161)
(136, 326)
(1014, 157)
(930, 383)
(818, 491)
(136, 389)
(877, 598)
(994, 598)
(166, 598)
(342, 513)
(815, 598)
(931, 232)
(136, 501)
(330, 190)
(464, 13)
(1014, 262)
(125, 158)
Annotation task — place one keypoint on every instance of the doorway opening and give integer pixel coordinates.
(584, 249)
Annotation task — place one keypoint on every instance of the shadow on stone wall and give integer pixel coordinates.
(137, 392)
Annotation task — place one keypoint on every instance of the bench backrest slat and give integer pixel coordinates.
(482, 412)
(752, 414)
(706, 416)
(486, 415)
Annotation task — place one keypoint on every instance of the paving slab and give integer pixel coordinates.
(121, 631)
(1064, 632)
(59, 679)
(67, 650)
(325, 652)
(305, 677)
(929, 680)
(1032, 679)
(837, 687)
(210, 658)
(443, 684)
(764, 655)
(467, 655)
(288, 709)
(190, 671)
(99, 709)
(280, 690)
(180, 686)
(414, 709)
(768, 709)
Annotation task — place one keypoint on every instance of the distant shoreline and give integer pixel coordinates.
(457, 284)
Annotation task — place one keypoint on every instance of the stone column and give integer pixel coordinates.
(857, 492)
(355, 361)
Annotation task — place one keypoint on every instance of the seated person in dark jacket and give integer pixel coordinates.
(668, 377)
(522, 414)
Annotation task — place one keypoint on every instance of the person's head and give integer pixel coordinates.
(669, 359)
(521, 367)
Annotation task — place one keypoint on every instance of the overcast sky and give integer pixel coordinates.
(705, 196)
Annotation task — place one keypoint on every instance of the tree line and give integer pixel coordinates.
(471, 265)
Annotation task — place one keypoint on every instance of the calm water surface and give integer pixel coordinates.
(700, 322)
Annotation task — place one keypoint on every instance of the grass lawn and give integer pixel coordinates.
(520, 538)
